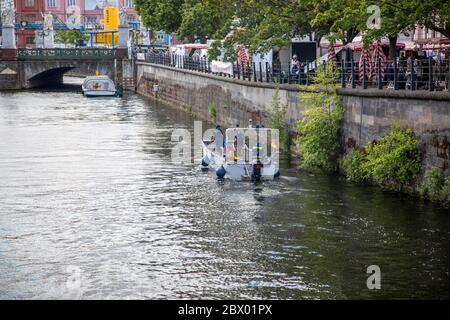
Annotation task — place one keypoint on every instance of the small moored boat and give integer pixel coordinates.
(247, 154)
(98, 86)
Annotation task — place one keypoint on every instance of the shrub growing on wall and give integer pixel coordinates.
(392, 162)
(212, 111)
(276, 119)
(354, 167)
(435, 186)
(319, 130)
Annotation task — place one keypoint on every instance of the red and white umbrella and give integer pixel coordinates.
(378, 54)
(243, 56)
(332, 54)
(366, 60)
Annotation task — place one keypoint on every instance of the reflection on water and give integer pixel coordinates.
(89, 184)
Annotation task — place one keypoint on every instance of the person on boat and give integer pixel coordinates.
(218, 137)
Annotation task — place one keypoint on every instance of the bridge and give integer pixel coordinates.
(29, 68)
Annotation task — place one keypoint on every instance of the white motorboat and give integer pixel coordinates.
(247, 154)
(97, 86)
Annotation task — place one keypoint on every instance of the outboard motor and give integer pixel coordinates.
(119, 91)
(257, 171)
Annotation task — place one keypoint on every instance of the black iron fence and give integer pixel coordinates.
(413, 74)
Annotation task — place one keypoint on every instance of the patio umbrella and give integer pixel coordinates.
(378, 54)
(365, 57)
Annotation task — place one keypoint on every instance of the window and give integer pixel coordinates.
(51, 3)
(30, 18)
(92, 20)
(71, 3)
(29, 40)
(129, 3)
(29, 3)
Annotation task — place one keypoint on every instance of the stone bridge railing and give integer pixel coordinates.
(66, 54)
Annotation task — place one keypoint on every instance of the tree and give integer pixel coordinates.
(319, 130)
(394, 20)
(432, 14)
(70, 36)
(160, 14)
(267, 23)
(203, 19)
(344, 19)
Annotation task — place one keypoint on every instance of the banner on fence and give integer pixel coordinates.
(222, 67)
(141, 56)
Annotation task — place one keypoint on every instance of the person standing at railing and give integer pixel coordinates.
(295, 65)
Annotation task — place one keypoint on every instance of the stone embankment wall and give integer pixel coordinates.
(368, 113)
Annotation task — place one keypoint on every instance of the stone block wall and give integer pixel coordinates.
(368, 113)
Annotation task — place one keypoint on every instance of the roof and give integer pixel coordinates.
(97, 78)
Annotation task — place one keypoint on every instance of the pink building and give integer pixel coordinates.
(91, 11)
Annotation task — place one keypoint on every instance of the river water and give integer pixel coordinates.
(91, 207)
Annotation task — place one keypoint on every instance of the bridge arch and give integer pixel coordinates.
(50, 77)
(47, 67)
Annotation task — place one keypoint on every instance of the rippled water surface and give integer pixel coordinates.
(87, 188)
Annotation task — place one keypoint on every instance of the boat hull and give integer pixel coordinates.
(99, 93)
(239, 171)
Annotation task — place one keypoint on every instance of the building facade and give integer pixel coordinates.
(31, 12)
(91, 12)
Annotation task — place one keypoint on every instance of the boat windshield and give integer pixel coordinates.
(245, 145)
(99, 85)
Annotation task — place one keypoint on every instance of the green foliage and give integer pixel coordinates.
(216, 48)
(260, 25)
(392, 162)
(354, 166)
(445, 192)
(212, 111)
(160, 14)
(276, 119)
(319, 130)
(69, 36)
(203, 19)
(214, 51)
(435, 186)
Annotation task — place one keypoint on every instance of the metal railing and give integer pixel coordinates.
(413, 74)
(65, 54)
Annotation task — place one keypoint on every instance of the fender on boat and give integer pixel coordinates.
(220, 172)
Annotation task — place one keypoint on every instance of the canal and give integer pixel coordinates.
(91, 206)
